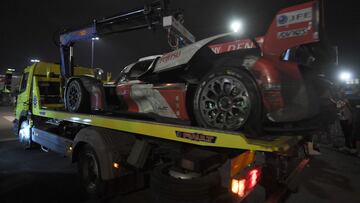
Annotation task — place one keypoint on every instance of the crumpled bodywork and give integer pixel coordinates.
(166, 100)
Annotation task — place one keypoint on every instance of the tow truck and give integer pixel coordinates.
(117, 153)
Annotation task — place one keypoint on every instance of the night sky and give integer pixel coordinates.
(28, 27)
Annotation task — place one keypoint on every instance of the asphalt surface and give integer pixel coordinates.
(6, 118)
(37, 176)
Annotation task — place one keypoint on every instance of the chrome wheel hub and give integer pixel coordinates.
(225, 103)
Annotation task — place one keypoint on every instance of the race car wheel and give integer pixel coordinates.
(77, 97)
(228, 99)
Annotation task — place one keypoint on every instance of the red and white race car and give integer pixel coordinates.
(228, 81)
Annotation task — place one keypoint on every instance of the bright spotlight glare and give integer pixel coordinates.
(345, 76)
(236, 26)
(34, 60)
(95, 38)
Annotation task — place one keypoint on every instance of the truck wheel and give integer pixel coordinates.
(89, 171)
(25, 135)
(166, 188)
(77, 98)
(228, 99)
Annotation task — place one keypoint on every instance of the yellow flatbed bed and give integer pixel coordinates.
(180, 133)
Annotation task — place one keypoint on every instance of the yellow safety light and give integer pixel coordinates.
(116, 165)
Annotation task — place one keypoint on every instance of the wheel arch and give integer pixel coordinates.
(93, 87)
(106, 143)
(192, 62)
(93, 137)
(76, 149)
(206, 56)
(246, 62)
(68, 81)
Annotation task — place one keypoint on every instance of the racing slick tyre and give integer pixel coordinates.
(77, 98)
(166, 188)
(89, 172)
(227, 98)
(25, 135)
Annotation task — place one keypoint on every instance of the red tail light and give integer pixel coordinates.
(253, 178)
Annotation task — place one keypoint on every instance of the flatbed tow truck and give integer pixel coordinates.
(125, 150)
(179, 163)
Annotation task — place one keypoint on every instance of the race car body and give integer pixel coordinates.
(231, 81)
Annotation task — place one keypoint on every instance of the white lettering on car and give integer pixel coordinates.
(293, 17)
(232, 46)
(292, 33)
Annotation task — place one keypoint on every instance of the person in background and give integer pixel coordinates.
(346, 121)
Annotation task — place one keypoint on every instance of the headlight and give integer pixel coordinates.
(345, 76)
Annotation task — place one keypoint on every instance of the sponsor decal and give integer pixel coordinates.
(292, 33)
(232, 46)
(170, 56)
(163, 108)
(283, 19)
(35, 101)
(147, 99)
(196, 137)
(293, 17)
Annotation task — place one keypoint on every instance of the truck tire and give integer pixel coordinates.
(90, 172)
(25, 134)
(77, 98)
(166, 188)
(227, 98)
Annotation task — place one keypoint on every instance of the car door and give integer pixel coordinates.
(23, 99)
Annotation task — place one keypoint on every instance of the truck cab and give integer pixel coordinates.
(50, 86)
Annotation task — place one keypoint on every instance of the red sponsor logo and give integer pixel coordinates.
(232, 46)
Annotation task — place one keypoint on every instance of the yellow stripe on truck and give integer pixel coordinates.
(169, 132)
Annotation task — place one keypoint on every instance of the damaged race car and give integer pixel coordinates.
(228, 82)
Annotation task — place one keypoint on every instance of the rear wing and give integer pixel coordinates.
(293, 26)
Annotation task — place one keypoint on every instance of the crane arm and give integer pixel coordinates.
(148, 17)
